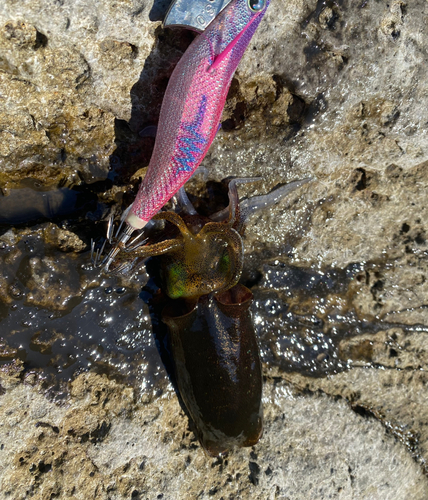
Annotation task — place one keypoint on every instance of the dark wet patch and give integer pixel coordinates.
(26, 204)
(320, 7)
(359, 179)
(31, 201)
(295, 337)
(67, 319)
(408, 437)
(61, 317)
(312, 51)
(273, 102)
(107, 325)
(237, 119)
(254, 473)
(314, 108)
(301, 316)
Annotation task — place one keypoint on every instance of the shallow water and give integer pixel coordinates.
(60, 316)
(57, 314)
(108, 326)
(73, 319)
(299, 327)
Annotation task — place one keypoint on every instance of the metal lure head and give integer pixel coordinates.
(194, 14)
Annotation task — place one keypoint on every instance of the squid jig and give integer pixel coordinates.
(191, 112)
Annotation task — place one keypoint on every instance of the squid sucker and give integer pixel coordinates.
(191, 109)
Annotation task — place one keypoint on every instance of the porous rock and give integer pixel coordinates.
(334, 92)
(85, 449)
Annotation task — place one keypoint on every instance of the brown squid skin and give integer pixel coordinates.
(218, 367)
(213, 343)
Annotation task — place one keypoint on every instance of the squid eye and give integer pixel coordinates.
(256, 5)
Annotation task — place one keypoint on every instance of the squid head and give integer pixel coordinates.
(193, 265)
(206, 262)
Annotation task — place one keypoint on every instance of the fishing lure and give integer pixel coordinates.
(194, 14)
(191, 110)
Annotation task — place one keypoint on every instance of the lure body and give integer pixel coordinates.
(192, 106)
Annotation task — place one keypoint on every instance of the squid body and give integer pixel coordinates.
(212, 338)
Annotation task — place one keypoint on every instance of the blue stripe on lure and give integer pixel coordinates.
(188, 145)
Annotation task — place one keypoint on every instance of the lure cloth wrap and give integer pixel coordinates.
(192, 107)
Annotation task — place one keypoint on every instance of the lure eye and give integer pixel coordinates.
(256, 5)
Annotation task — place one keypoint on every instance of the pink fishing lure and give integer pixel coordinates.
(192, 107)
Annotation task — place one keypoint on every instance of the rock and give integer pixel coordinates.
(63, 239)
(47, 285)
(84, 449)
(332, 91)
(23, 35)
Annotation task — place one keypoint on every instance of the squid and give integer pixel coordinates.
(207, 311)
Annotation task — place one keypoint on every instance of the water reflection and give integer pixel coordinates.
(60, 317)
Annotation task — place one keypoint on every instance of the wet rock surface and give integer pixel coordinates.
(104, 444)
(335, 91)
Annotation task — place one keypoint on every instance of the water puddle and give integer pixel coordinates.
(59, 316)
